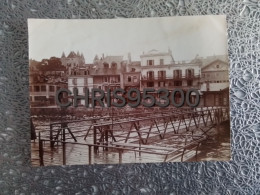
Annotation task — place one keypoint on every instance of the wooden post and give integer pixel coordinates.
(51, 136)
(95, 139)
(63, 147)
(89, 154)
(218, 119)
(139, 148)
(40, 150)
(106, 137)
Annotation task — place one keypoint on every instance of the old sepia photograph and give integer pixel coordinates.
(139, 90)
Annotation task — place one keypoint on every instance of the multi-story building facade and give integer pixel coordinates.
(215, 82)
(81, 82)
(155, 69)
(44, 80)
(131, 80)
(43, 91)
(215, 76)
(107, 72)
(132, 74)
(159, 70)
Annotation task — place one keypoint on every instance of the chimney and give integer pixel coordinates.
(129, 58)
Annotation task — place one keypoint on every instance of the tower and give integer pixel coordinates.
(63, 59)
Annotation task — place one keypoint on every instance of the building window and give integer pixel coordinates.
(86, 72)
(36, 88)
(189, 73)
(106, 88)
(51, 88)
(133, 70)
(105, 79)
(162, 74)
(161, 84)
(177, 83)
(116, 79)
(177, 74)
(150, 62)
(150, 74)
(161, 62)
(114, 65)
(86, 81)
(106, 65)
(129, 79)
(74, 81)
(39, 98)
(135, 79)
(177, 97)
(189, 83)
(217, 66)
(150, 84)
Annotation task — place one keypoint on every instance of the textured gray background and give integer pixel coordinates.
(240, 176)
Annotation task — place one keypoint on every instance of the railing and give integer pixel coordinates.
(56, 128)
(43, 93)
(194, 140)
(153, 78)
(136, 132)
(162, 123)
(115, 121)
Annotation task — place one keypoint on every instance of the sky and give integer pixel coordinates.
(186, 36)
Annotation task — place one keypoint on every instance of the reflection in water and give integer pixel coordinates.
(217, 146)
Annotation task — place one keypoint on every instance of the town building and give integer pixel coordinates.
(81, 82)
(154, 70)
(107, 72)
(132, 75)
(131, 80)
(73, 60)
(159, 70)
(43, 90)
(215, 81)
(46, 77)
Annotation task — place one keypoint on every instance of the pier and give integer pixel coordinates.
(113, 136)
